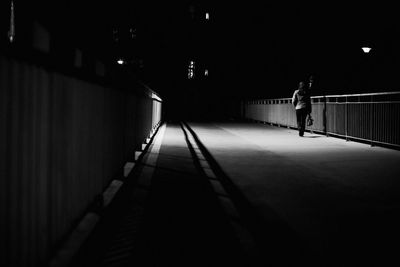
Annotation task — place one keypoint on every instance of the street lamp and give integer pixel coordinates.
(366, 80)
(366, 49)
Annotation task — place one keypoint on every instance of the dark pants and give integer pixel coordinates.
(301, 115)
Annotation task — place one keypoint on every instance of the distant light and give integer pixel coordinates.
(366, 49)
(11, 32)
(191, 69)
(115, 35)
(191, 74)
(207, 16)
(206, 72)
(120, 61)
(155, 96)
(133, 33)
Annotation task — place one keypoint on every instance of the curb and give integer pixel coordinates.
(87, 224)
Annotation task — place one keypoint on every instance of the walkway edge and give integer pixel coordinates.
(79, 235)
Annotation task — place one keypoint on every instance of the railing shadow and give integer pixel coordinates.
(278, 243)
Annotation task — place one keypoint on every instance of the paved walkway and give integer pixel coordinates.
(252, 195)
(341, 199)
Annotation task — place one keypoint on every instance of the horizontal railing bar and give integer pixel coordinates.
(361, 139)
(366, 94)
(375, 102)
(331, 96)
(358, 102)
(334, 116)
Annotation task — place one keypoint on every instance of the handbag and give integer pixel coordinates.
(310, 120)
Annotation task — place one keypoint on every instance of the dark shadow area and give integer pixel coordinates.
(279, 245)
(184, 222)
(169, 169)
(179, 222)
(314, 136)
(123, 217)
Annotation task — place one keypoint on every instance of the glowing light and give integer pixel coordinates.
(207, 16)
(11, 32)
(155, 96)
(206, 72)
(191, 70)
(191, 74)
(120, 61)
(366, 49)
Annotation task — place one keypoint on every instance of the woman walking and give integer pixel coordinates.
(302, 102)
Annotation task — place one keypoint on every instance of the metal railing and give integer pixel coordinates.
(373, 117)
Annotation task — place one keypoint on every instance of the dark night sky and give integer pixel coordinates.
(252, 49)
(268, 46)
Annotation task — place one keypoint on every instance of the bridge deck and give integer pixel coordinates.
(251, 194)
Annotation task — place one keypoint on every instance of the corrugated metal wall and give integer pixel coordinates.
(62, 140)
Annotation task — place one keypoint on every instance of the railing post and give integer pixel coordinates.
(371, 114)
(278, 113)
(345, 119)
(324, 116)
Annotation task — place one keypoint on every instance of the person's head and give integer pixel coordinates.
(301, 85)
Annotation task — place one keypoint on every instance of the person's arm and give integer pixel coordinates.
(309, 105)
(294, 98)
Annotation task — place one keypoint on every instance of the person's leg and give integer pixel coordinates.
(298, 117)
(303, 116)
